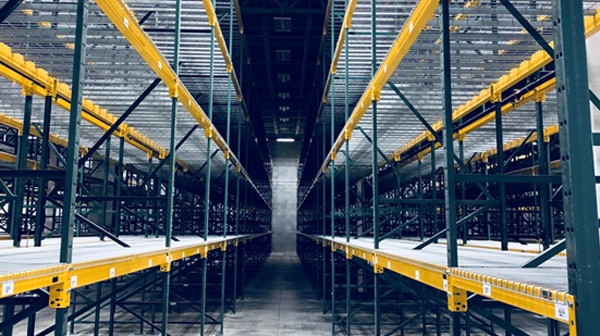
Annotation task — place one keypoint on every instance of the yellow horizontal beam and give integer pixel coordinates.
(514, 76)
(124, 19)
(213, 21)
(413, 27)
(35, 80)
(347, 23)
(76, 275)
(530, 96)
(18, 125)
(535, 299)
(11, 158)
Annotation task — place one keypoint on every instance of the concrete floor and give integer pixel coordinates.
(280, 301)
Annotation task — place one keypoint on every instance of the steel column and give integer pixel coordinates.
(500, 173)
(449, 172)
(332, 172)
(577, 163)
(41, 209)
(105, 183)
(420, 190)
(544, 190)
(118, 188)
(207, 175)
(17, 219)
(463, 208)
(226, 188)
(66, 246)
(171, 171)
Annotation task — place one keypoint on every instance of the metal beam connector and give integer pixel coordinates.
(174, 91)
(60, 296)
(457, 300)
(495, 94)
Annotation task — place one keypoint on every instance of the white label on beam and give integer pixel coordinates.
(417, 275)
(411, 27)
(149, 262)
(487, 289)
(126, 22)
(73, 281)
(561, 311)
(8, 288)
(112, 272)
(445, 283)
(182, 255)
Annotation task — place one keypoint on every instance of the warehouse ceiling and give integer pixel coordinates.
(283, 41)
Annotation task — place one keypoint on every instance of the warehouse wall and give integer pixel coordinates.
(284, 201)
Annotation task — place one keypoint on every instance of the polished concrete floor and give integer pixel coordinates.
(281, 302)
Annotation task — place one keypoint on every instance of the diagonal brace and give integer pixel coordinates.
(437, 137)
(460, 223)
(93, 225)
(118, 123)
(8, 8)
(540, 40)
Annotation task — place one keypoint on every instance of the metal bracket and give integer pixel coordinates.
(27, 89)
(457, 300)
(60, 296)
(165, 268)
(495, 94)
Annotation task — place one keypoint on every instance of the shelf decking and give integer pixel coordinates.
(494, 274)
(29, 268)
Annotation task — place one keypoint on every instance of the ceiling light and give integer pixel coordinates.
(285, 140)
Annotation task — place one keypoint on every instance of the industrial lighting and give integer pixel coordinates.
(285, 140)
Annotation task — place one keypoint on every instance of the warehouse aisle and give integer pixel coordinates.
(279, 302)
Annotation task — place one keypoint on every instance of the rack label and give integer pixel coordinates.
(417, 274)
(149, 262)
(8, 288)
(487, 289)
(561, 311)
(73, 281)
(445, 284)
(126, 22)
(112, 272)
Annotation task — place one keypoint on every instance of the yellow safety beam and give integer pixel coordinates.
(422, 13)
(238, 14)
(525, 69)
(18, 125)
(75, 275)
(554, 304)
(26, 74)
(124, 19)
(213, 21)
(347, 23)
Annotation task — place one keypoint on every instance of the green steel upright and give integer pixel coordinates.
(207, 175)
(171, 171)
(375, 171)
(347, 176)
(500, 172)
(542, 161)
(577, 163)
(449, 173)
(66, 244)
(226, 188)
(19, 202)
(332, 173)
(40, 218)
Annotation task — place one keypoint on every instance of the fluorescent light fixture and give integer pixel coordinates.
(285, 140)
